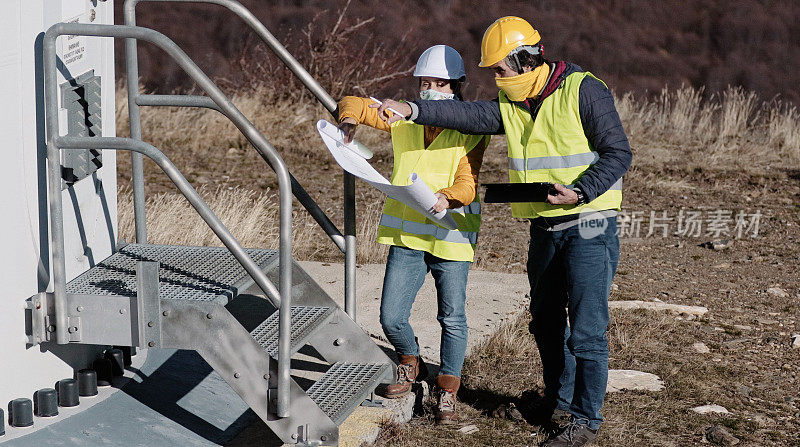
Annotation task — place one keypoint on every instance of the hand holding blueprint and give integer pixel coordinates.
(417, 195)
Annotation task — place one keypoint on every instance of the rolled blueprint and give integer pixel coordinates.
(417, 195)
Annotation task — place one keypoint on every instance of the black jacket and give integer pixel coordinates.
(601, 125)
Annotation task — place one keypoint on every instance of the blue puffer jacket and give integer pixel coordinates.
(601, 125)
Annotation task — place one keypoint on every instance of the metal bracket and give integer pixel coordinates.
(40, 307)
(148, 304)
(74, 329)
(91, 319)
(102, 319)
(334, 319)
(372, 401)
(272, 398)
(303, 436)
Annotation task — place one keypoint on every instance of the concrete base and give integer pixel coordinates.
(175, 398)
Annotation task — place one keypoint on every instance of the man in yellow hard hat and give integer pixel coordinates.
(562, 127)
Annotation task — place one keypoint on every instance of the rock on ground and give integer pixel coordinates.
(796, 341)
(777, 291)
(468, 429)
(650, 305)
(710, 408)
(718, 435)
(628, 379)
(701, 348)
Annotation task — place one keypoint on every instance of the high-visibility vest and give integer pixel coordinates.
(436, 165)
(552, 148)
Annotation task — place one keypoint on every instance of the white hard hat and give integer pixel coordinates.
(440, 61)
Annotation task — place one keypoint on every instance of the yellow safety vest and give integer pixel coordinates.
(553, 148)
(436, 165)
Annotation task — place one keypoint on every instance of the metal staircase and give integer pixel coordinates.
(167, 296)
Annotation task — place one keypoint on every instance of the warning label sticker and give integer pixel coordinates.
(73, 48)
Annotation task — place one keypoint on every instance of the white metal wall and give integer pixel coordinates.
(23, 221)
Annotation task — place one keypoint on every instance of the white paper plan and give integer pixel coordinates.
(417, 195)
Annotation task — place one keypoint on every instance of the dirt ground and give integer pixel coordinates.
(751, 288)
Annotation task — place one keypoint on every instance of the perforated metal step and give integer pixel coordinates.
(304, 320)
(344, 386)
(188, 273)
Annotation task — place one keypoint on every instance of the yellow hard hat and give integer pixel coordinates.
(504, 35)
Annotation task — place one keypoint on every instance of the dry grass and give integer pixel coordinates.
(732, 130)
(506, 368)
(204, 133)
(783, 128)
(251, 217)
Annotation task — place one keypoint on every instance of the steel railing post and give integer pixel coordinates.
(135, 123)
(350, 244)
(59, 272)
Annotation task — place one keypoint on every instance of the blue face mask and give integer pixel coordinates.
(433, 95)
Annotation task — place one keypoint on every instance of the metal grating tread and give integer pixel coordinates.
(344, 386)
(188, 273)
(304, 320)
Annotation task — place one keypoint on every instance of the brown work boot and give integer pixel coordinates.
(446, 389)
(411, 369)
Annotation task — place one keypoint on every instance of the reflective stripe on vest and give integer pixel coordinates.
(554, 162)
(442, 234)
(552, 148)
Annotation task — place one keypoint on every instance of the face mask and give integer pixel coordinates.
(434, 95)
(526, 85)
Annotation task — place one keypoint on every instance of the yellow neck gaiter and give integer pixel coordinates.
(526, 85)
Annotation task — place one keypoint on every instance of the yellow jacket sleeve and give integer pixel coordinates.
(358, 109)
(466, 179)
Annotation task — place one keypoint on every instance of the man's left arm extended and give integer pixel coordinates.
(603, 128)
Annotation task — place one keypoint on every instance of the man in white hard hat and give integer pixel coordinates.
(562, 127)
(448, 162)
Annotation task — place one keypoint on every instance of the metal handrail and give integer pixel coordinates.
(177, 101)
(308, 81)
(239, 120)
(191, 194)
(299, 192)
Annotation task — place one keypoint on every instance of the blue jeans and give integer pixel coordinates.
(405, 273)
(570, 278)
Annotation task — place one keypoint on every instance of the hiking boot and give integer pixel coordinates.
(446, 389)
(557, 421)
(411, 369)
(573, 435)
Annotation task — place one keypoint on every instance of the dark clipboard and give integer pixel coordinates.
(516, 192)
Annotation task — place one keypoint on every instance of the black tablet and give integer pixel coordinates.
(517, 192)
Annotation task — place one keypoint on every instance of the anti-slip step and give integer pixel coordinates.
(188, 273)
(344, 386)
(304, 320)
